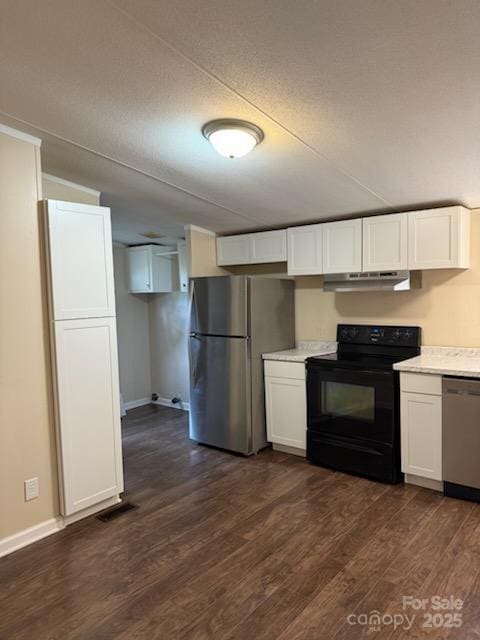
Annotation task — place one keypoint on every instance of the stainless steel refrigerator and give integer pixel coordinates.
(234, 319)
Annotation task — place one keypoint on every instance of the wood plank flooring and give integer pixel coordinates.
(227, 548)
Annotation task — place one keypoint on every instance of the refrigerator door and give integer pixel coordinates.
(219, 306)
(220, 405)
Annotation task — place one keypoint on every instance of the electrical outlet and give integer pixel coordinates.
(31, 489)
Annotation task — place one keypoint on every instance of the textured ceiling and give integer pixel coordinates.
(366, 106)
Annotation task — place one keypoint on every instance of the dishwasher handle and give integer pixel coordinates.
(461, 386)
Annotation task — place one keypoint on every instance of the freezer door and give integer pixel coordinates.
(220, 404)
(219, 306)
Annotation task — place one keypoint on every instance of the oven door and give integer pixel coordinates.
(351, 403)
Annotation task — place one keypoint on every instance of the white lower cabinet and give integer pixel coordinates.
(421, 427)
(286, 407)
(89, 431)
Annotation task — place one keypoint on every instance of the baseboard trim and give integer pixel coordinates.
(426, 483)
(166, 402)
(90, 511)
(30, 535)
(133, 404)
(284, 448)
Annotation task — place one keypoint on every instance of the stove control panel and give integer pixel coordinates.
(400, 336)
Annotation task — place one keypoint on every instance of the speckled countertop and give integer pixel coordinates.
(304, 349)
(446, 361)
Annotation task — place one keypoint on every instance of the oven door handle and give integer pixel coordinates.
(329, 370)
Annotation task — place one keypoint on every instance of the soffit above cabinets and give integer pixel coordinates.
(366, 107)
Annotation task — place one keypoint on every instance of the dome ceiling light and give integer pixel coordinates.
(232, 138)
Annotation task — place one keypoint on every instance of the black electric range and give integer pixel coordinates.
(353, 401)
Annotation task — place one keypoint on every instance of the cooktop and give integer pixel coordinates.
(372, 346)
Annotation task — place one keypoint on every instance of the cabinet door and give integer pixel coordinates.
(139, 270)
(81, 261)
(305, 250)
(421, 434)
(88, 412)
(162, 271)
(182, 267)
(385, 243)
(286, 411)
(439, 238)
(270, 246)
(233, 250)
(342, 246)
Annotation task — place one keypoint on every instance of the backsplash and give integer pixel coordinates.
(451, 352)
(320, 345)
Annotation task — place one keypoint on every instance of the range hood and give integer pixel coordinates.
(372, 281)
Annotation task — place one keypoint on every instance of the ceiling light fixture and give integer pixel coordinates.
(232, 138)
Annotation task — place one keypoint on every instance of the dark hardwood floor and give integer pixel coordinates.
(223, 547)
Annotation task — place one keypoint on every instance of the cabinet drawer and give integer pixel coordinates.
(282, 369)
(421, 383)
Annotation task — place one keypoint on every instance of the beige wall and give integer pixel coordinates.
(202, 253)
(70, 192)
(27, 439)
(447, 307)
(152, 339)
(169, 345)
(133, 334)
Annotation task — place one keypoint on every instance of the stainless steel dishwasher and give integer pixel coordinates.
(461, 438)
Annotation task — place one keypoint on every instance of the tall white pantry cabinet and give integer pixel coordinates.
(85, 360)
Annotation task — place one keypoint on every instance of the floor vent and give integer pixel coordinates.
(116, 511)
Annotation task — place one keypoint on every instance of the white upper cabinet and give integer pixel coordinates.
(428, 239)
(182, 267)
(150, 269)
(252, 248)
(385, 242)
(305, 250)
(233, 250)
(342, 246)
(81, 262)
(439, 238)
(268, 246)
(139, 269)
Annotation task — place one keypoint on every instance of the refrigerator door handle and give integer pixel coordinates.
(193, 308)
(193, 367)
